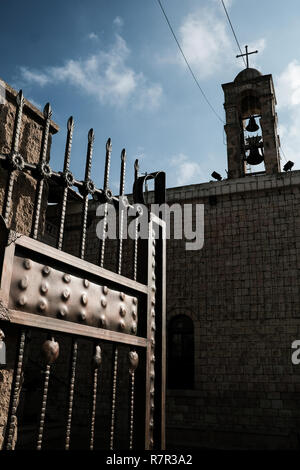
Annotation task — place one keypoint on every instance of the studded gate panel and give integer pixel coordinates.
(90, 348)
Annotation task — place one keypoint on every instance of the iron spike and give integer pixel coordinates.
(108, 145)
(91, 135)
(70, 124)
(47, 112)
(20, 98)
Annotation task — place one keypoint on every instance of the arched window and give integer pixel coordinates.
(181, 353)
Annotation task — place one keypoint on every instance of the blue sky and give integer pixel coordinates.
(114, 66)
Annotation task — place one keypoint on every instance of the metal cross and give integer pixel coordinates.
(247, 54)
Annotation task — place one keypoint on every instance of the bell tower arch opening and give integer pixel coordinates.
(251, 124)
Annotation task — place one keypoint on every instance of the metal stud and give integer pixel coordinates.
(44, 288)
(122, 325)
(122, 295)
(27, 263)
(42, 305)
(133, 328)
(103, 303)
(133, 313)
(66, 294)
(122, 311)
(134, 300)
(102, 320)
(86, 283)
(67, 278)
(22, 300)
(62, 312)
(46, 270)
(105, 290)
(82, 315)
(84, 299)
(23, 283)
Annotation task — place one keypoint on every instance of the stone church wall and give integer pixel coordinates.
(242, 293)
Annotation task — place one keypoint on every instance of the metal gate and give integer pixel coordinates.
(90, 359)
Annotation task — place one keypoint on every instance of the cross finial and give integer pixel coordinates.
(247, 54)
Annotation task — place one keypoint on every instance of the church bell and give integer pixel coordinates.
(252, 126)
(254, 157)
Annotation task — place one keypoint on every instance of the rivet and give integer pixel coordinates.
(82, 316)
(122, 295)
(46, 270)
(84, 299)
(154, 242)
(86, 283)
(105, 290)
(27, 263)
(23, 283)
(103, 303)
(153, 359)
(153, 277)
(66, 294)
(122, 325)
(22, 300)
(102, 320)
(44, 288)
(153, 264)
(152, 312)
(153, 301)
(67, 278)
(153, 326)
(134, 300)
(62, 312)
(133, 313)
(122, 311)
(153, 288)
(133, 328)
(42, 305)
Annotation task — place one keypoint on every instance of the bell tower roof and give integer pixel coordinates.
(246, 75)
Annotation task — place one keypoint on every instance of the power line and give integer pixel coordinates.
(232, 29)
(188, 65)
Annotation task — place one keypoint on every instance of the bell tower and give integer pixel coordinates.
(251, 122)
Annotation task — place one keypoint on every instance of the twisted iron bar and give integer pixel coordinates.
(71, 394)
(105, 189)
(37, 210)
(12, 420)
(15, 149)
(114, 393)
(43, 409)
(66, 173)
(121, 214)
(135, 255)
(96, 366)
(85, 191)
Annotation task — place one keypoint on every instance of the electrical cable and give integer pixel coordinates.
(188, 65)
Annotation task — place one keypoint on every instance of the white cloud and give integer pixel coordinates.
(118, 21)
(287, 86)
(105, 76)
(93, 36)
(205, 40)
(185, 170)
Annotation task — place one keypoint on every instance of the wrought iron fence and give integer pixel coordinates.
(104, 332)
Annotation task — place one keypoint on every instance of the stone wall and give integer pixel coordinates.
(242, 293)
(21, 209)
